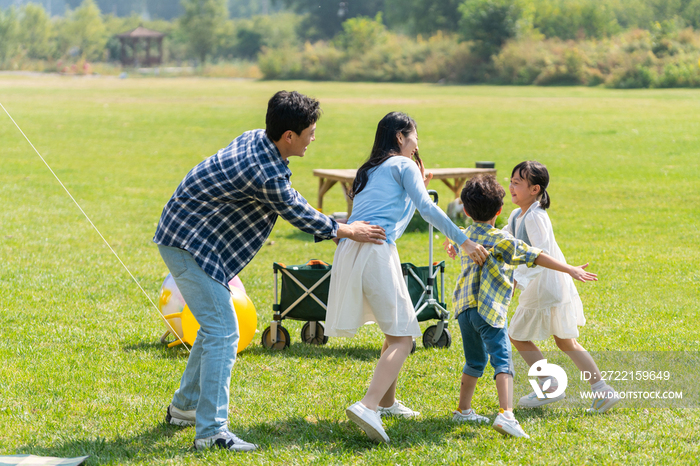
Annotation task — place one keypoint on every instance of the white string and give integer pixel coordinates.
(172, 330)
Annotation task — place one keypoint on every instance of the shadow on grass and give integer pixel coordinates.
(157, 349)
(295, 350)
(148, 444)
(311, 432)
(297, 432)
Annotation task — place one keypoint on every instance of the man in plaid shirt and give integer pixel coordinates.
(482, 296)
(216, 221)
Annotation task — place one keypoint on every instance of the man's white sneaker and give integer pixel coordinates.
(225, 440)
(508, 426)
(531, 400)
(606, 400)
(398, 409)
(369, 421)
(468, 415)
(178, 417)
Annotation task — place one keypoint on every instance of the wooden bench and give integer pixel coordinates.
(454, 178)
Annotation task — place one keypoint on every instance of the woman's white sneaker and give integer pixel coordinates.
(226, 440)
(398, 409)
(369, 421)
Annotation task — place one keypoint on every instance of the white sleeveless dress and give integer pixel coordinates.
(549, 303)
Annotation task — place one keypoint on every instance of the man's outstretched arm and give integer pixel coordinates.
(362, 232)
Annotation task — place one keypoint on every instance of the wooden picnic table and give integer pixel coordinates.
(454, 178)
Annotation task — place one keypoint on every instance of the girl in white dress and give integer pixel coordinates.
(549, 303)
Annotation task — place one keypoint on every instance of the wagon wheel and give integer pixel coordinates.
(282, 338)
(413, 346)
(319, 339)
(444, 341)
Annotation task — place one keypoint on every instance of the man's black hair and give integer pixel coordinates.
(290, 110)
(482, 197)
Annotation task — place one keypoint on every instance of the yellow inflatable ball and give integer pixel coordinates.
(247, 317)
(183, 324)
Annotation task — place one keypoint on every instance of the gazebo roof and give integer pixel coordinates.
(141, 32)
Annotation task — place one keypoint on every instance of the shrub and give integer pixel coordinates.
(680, 75)
(634, 77)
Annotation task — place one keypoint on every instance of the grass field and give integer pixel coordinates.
(83, 372)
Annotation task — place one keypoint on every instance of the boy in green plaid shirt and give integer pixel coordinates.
(482, 296)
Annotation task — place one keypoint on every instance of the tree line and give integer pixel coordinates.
(625, 43)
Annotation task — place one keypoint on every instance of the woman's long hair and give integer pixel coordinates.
(386, 145)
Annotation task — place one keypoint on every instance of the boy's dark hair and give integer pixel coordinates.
(482, 197)
(290, 110)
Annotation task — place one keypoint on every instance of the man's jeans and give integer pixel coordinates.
(205, 383)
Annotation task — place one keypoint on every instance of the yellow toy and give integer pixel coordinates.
(173, 307)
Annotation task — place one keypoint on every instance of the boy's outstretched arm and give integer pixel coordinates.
(449, 248)
(578, 273)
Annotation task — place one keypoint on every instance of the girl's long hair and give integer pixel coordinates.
(386, 145)
(536, 174)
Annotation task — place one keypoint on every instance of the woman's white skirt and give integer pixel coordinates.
(367, 286)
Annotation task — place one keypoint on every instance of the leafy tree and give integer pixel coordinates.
(361, 34)
(35, 31)
(245, 38)
(489, 23)
(250, 8)
(9, 30)
(203, 23)
(249, 41)
(84, 29)
(423, 16)
(325, 17)
(575, 19)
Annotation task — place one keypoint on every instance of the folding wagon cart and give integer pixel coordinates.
(304, 296)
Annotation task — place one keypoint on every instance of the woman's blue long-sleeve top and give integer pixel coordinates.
(394, 191)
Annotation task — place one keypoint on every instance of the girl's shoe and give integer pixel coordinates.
(398, 409)
(532, 401)
(468, 415)
(508, 426)
(605, 400)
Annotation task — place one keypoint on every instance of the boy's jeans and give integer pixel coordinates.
(205, 383)
(482, 342)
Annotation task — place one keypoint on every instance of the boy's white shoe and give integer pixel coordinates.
(508, 426)
(607, 399)
(226, 440)
(398, 409)
(531, 400)
(369, 421)
(178, 417)
(468, 415)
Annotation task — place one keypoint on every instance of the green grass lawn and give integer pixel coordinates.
(82, 371)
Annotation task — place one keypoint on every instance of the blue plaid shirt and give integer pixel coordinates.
(225, 208)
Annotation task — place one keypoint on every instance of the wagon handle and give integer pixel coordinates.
(434, 195)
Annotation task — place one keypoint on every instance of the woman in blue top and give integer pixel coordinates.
(366, 280)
